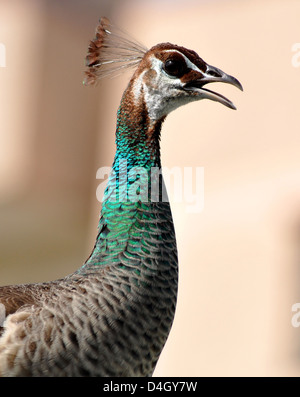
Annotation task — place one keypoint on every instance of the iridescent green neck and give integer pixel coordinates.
(129, 193)
(137, 138)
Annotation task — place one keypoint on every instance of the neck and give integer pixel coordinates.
(137, 137)
(129, 185)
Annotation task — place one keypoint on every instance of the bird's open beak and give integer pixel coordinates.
(213, 74)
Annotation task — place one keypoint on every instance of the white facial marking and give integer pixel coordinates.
(163, 94)
(189, 64)
(138, 85)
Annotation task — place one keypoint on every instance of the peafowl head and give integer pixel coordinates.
(166, 77)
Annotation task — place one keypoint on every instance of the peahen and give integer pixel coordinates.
(113, 315)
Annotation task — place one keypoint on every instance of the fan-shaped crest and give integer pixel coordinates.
(111, 51)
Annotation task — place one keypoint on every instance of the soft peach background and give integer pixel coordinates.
(239, 257)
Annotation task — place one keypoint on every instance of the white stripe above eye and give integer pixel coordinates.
(189, 63)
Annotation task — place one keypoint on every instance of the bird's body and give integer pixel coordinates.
(113, 315)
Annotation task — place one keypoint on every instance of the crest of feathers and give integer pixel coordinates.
(110, 52)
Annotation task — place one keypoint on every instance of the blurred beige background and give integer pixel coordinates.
(239, 257)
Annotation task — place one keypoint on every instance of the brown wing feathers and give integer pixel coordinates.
(14, 297)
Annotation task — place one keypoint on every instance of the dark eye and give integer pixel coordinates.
(175, 67)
